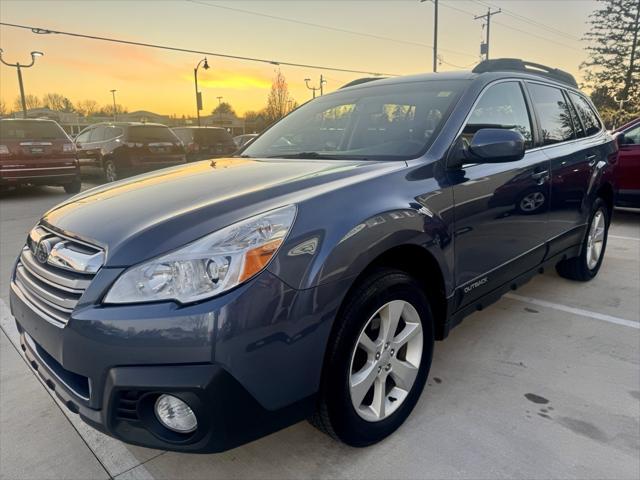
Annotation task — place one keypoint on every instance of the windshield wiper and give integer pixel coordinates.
(304, 155)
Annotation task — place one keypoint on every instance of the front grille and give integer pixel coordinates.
(52, 278)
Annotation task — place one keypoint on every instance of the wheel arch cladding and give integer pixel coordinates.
(418, 262)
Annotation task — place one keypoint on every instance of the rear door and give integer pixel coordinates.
(628, 171)
(501, 209)
(569, 138)
(35, 144)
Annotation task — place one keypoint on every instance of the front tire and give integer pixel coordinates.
(73, 187)
(585, 266)
(378, 359)
(111, 173)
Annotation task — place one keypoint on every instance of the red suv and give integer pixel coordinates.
(628, 170)
(37, 152)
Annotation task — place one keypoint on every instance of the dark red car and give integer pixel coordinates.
(37, 152)
(628, 170)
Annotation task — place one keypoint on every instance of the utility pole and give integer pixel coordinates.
(314, 89)
(219, 110)
(484, 48)
(113, 94)
(18, 68)
(435, 34)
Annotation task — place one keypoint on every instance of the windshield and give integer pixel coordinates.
(30, 130)
(151, 133)
(396, 121)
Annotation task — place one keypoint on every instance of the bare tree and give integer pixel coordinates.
(32, 101)
(87, 107)
(57, 102)
(3, 108)
(279, 102)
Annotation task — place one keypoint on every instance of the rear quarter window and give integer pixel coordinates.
(587, 115)
(213, 136)
(31, 130)
(151, 133)
(184, 134)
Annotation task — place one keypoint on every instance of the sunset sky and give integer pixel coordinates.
(149, 79)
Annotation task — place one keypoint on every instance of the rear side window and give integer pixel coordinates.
(586, 113)
(577, 124)
(98, 133)
(553, 112)
(183, 134)
(112, 132)
(31, 130)
(151, 133)
(501, 106)
(84, 136)
(210, 136)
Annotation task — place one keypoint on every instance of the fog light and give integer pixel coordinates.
(174, 414)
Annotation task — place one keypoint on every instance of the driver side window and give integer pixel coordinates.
(501, 106)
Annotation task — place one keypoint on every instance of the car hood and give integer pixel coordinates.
(147, 215)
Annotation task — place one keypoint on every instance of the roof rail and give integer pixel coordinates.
(518, 65)
(361, 80)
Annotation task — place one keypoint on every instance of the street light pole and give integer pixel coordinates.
(314, 89)
(113, 94)
(198, 94)
(18, 68)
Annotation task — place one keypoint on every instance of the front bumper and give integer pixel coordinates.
(248, 363)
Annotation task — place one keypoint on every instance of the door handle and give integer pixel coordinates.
(591, 159)
(538, 175)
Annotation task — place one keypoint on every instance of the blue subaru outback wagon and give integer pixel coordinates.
(202, 306)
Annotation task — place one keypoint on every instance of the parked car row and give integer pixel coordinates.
(39, 151)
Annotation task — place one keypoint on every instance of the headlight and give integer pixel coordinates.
(209, 266)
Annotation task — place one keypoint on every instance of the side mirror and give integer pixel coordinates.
(495, 145)
(620, 139)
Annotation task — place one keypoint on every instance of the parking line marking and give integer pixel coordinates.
(625, 238)
(114, 455)
(576, 311)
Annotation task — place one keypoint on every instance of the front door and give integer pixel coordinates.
(501, 209)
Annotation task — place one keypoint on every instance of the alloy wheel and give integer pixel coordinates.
(110, 172)
(532, 202)
(385, 360)
(595, 240)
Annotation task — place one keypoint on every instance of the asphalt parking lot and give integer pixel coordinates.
(543, 384)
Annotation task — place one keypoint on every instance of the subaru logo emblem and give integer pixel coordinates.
(42, 250)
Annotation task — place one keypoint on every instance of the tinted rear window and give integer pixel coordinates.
(212, 137)
(31, 130)
(588, 117)
(151, 133)
(554, 114)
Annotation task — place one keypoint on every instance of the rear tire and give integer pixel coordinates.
(371, 380)
(585, 266)
(73, 187)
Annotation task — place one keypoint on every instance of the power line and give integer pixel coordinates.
(39, 30)
(530, 21)
(326, 27)
(467, 12)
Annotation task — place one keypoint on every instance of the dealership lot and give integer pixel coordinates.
(545, 383)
